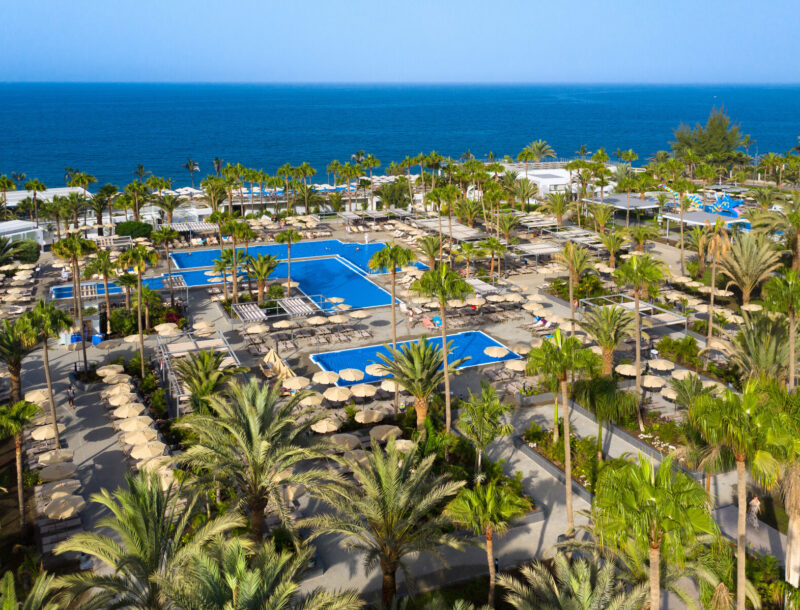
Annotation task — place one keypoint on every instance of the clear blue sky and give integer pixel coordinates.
(707, 41)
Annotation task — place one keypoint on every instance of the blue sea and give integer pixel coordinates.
(107, 129)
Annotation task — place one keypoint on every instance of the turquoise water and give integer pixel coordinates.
(469, 344)
(107, 129)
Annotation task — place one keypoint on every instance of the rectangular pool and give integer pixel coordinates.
(469, 344)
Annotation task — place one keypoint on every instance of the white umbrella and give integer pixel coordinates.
(132, 409)
(64, 507)
(651, 382)
(56, 472)
(384, 433)
(325, 377)
(337, 394)
(515, 365)
(376, 370)
(369, 416)
(669, 394)
(56, 456)
(148, 450)
(316, 320)
(36, 396)
(389, 385)
(351, 374)
(139, 437)
(296, 383)
(495, 351)
(681, 374)
(363, 390)
(359, 314)
(133, 424)
(659, 364)
(626, 370)
(43, 433)
(327, 425)
(346, 441)
(110, 369)
(312, 400)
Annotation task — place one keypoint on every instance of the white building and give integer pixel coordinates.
(14, 197)
(16, 230)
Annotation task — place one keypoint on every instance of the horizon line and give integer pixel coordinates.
(418, 83)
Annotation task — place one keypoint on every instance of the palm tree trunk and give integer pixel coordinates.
(235, 284)
(490, 561)
(796, 257)
(260, 284)
(711, 307)
(655, 577)
(139, 318)
(638, 345)
(792, 356)
(289, 269)
(683, 270)
(608, 361)
(421, 409)
(388, 585)
(79, 303)
(108, 304)
(447, 416)
(599, 440)
(567, 458)
(394, 335)
(14, 373)
(741, 531)
(571, 306)
(556, 431)
(48, 379)
(792, 574)
(169, 276)
(20, 490)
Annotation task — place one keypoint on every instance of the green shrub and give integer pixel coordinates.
(275, 291)
(27, 251)
(158, 403)
(123, 321)
(149, 384)
(134, 229)
(534, 433)
(30, 478)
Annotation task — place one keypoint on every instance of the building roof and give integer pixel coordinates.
(699, 219)
(620, 202)
(14, 197)
(10, 227)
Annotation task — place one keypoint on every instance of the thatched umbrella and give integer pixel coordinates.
(369, 416)
(384, 432)
(495, 351)
(64, 507)
(325, 377)
(351, 374)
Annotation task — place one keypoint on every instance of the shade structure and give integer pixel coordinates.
(337, 394)
(682, 374)
(359, 314)
(659, 364)
(384, 432)
(43, 433)
(64, 507)
(56, 456)
(532, 307)
(326, 426)
(752, 307)
(363, 390)
(56, 472)
(131, 339)
(110, 369)
(669, 394)
(514, 298)
(351, 374)
(165, 326)
(515, 365)
(705, 290)
(108, 345)
(475, 301)
(296, 383)
(36, 396)
(291, 284)
(651, 382)
(325, 377)
(495, 351)
(154, 463)
(119, 399)
(694, 284)
(312, 400)
(369, 416)
(133, 424)
(281, 324)
(495, 298)
(346, 441)
(316, 320)
(148, 450)
(257, 329)
(627, 370)
(334, 300)
(376, 370)
(342, 307)
(338, 319)
(536, 298)
(139, 437)
(681, 279)
(389, 385)
(57, 489)
(132, 409)
(713, 385)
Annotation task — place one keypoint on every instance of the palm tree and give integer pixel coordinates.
(16, 341)
(643, 274)
(139, 257)
(539, 150)
(602, 215)
(104, 266)
(229, 575)
(507, 224)
(418, 368)
(698, 241)
(467, 210)
(479, 420)
(288, 237)
(259, 268)
(43, 594)
(765, 196)
(558, 357)
(251, 441)
(662, 506)
(524, 190)
(496, 250)
(155, 535)
(191, 166)
(164, 237)
(761, 349)
(745, 425)
(602, 397)
(204, 376)
(468, 251)
(127, 281)
(487, 510)
(641, 234)
(558, 205)
(48, 322)
(395, 512)
(168, 204)
(718, 247)
(13, 420)
(609, 326)
(431, 248)
(577, 260)
(786, 222)
(36, 186)
(684, 205)
(8, 250)
(222, 265)
(392, 258)
(584, 584)
(443, 284)
(750, 262)
(783, 294)
(150, 300)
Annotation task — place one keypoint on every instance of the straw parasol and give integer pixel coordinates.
(660, 364)
(495, 351)
(495, 298)
(701, 308)
(363, 390)
(36, 396)
(316, 320)
(312, 400)
(681, 279)
(521, 348)
(532, 307)
(210, 273)
(291, 284)
(384, 432)
(515, 365)
(139, 437)
(342, 307)
(257, 329)
(651, 382)
(56, 456)
(118, 399)
(338, 319)
(514, 297)
(369, 416)
(682, 374)
(56, 472)
(334, 300)
(114, 390)
(536, 298)
(281, 324)
(134, 424)
(752, 307)
(109, 370)
(43, 433)
(131, 339)
(376, 370)
(132, 409)
(327, 425)
(669, 394)
(694, 284)
(296, 383)
(627, 370)
(202, 325)
(389, 385)
(118, 378)
(404, 445)
(475, 301)
(148, 450)
(359, 456)
(64, 507)
(346, 441)
(337, 394)
(359, 314)
(165, 326)
(57, 489)
(351, 374)
(325, 377)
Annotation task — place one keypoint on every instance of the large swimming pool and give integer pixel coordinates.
(469, 344)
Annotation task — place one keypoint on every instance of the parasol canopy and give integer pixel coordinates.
(326, 426)
(64, 507)
(626, 370)
(337, 394)
(495, 351)
(325, 377)
(351, 374)
(384, 432)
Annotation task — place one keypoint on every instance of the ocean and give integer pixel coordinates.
(107, 129)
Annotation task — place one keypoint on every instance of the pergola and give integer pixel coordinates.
(701, 219)
(656, 316)
(535, 221)
(113, 241)
(191, 227)
(460, 232)
(481, 287)
(624, 203)
(577, 235)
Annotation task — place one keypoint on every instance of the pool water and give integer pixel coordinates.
(469, 344)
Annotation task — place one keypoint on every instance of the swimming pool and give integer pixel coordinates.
(357, 254)
(467, 344)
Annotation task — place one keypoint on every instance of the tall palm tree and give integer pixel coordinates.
(391, 258)
(609, 326)
(524, 190)
(168, 204)
(43, 594)
(164, 237)
(468, 251)
(233, 575)
(641, 234)
(395, 512)
(602, 215)
(786, 222)
(487, 510)
(259, 268)
(139, 257)
(750, 261)
(443, 284)
(126, 281)
(558, 205)
(584, 584)
(13, 420)
(73, 248)
(468, 210)
(8, 250)
(431, 248)
(288, 237)
(643, 274)
(104, 266)
(760, 350)
(16, 342)
(251, 441)
(154, 535)
(745, 425)
(558, 357)
(35, 186)
(496, 250)
(577, 260)
(783, 294)
(683, 206)
(480, 420)
(507, 224)
(204, 375)
(191, 166)
(765, 196)
(718, 248)
(47, 322)
(608, 403)
(662, 506)
(222, 265)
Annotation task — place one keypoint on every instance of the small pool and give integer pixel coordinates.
(467, 344)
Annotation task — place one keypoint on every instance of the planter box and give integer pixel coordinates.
(553, 470)
(83, 387)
